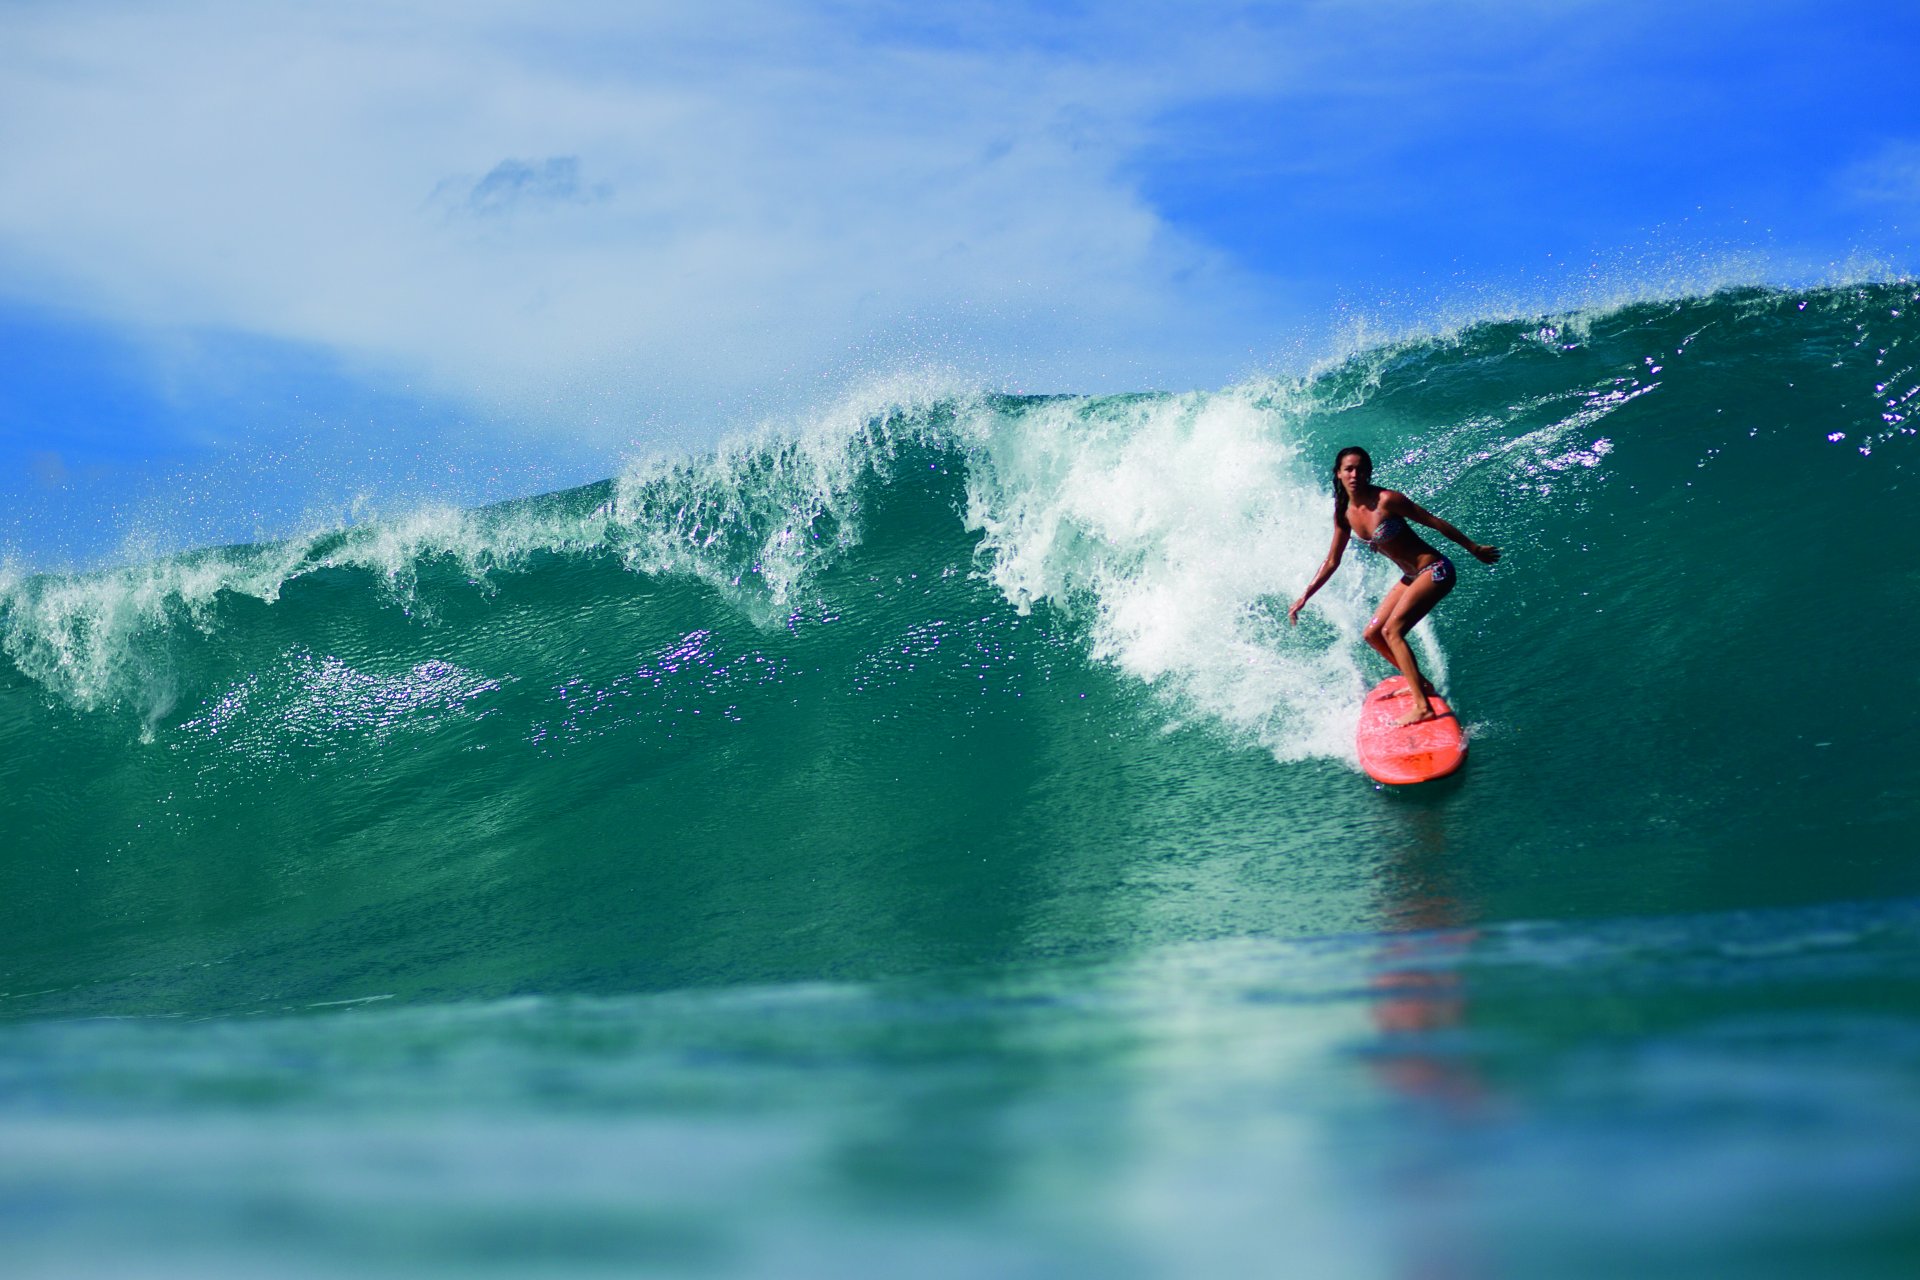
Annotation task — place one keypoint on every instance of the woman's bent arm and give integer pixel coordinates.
(1415, 512)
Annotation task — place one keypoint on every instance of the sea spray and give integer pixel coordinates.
(1181, 527)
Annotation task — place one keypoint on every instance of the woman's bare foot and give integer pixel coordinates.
(1417, 715)
(1426, 687)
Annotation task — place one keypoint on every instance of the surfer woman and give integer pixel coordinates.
(1379, 519)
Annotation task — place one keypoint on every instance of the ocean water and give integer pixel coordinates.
(913, 842)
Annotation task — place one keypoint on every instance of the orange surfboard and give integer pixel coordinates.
(1402, 754)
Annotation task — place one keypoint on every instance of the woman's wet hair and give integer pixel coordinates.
(1339, 490)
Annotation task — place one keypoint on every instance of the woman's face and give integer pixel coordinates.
(1353, 473)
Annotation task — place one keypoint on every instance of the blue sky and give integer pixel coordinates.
(259, 258)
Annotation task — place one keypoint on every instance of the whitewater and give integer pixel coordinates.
(912, 839)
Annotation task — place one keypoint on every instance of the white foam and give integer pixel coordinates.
(1182, 527)
(775, 503)
(95, 639)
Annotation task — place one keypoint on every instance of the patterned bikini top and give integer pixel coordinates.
(1387, 530)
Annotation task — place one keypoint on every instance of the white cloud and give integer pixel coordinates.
(610, 212)
(1889, 176)
(632, 206)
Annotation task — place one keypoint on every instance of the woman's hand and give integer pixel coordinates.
(1484, 553)
(1293, 614)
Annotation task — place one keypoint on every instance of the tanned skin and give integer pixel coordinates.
(1368, 506)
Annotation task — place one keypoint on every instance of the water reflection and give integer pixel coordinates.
(1420, 991)
(1419, 1012)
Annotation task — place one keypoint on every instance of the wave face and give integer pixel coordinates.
(956, 679)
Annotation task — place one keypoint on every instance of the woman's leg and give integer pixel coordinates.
(1371, 634)
(1374, 633)
(1414, 604)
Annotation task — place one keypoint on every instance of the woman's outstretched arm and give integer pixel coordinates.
(1339, 548)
